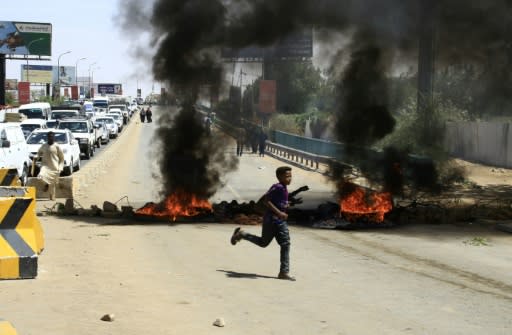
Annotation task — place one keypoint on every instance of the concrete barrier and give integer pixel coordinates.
(64, 188)
(6, 328)
(21, 234)
(9, 177)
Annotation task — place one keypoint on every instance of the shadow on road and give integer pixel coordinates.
(233, 274)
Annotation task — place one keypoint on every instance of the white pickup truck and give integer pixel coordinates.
(84, 131)
(123, 109)
(14, 153)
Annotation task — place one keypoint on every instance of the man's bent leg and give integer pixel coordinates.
(268, 232)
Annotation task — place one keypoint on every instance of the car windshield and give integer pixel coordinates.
(115, 116)
(88, 107)
(74, 127)
(29, 127)
(32, 113)
(107, 121)
(62, 115)
(41, 138)
(101, 104)
(52, 124)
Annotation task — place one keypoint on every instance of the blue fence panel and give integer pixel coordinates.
(311, 145)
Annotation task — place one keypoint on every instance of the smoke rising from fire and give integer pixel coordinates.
(191, 162)
(189, 34)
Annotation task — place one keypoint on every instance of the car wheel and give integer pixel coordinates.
(77, 166)
(88, 153)
(92, 149)
(98, 143)
(68, 170)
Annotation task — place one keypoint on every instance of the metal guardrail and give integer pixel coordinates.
(300, 157)
(419, 171)
(304, 158)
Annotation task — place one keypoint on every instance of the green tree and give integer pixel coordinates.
(298, 83)
(9, 99)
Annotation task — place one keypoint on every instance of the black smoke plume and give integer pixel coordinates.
(189, 35)
(191, 162)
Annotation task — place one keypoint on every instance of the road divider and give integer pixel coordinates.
(64, 189)
(9, 177)
(21, 234)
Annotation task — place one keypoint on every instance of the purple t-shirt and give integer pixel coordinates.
(278, 195)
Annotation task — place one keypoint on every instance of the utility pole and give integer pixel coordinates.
(2, 80)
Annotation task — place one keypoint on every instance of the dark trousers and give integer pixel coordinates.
(239, 147)
(274, 228)
(261, 147)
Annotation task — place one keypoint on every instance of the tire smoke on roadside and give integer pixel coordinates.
(189, 34)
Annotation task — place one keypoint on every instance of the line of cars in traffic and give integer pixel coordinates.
(77, 131)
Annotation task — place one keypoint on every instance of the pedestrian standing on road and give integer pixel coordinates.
(149, 115)
(142, 115)
(262, 139)
(52, 163)
(274, 221)
(254, 139)
(207, 125)
(240, 139)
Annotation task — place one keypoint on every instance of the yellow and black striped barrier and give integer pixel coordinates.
(21, 234)
(9, 177)
(6, 328)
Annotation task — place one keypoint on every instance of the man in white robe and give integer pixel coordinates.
(52, 163)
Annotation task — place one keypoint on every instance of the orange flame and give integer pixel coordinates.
(359, 204)
(177, 204)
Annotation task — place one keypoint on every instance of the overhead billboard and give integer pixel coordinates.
(65, 75)
(25, 38)
(110, 88)
(37, 74)
(296, 45)
(267, 103)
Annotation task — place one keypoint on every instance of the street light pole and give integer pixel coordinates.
(58, 69)
(76, 69)
(89, 86)
(92, 74)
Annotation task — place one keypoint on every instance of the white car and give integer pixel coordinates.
(123, 109)
(67, 143)
(30, 125)
(118, 118)
(110, 123)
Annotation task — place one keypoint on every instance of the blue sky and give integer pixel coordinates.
(89, 29)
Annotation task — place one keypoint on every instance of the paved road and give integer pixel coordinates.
(177, 279)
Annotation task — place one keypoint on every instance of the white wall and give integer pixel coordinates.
(483, 142)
